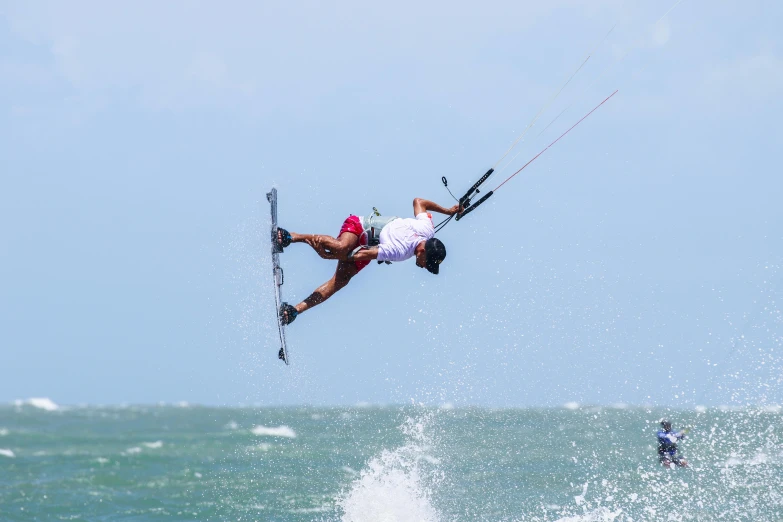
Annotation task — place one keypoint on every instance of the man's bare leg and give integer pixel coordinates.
(328, 247)
(345, 271)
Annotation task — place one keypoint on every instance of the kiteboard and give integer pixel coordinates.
(277, 273)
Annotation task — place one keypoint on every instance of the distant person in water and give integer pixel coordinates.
(667, 446)
(362, 239)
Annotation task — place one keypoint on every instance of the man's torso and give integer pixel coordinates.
(399, 238)
(667, 442)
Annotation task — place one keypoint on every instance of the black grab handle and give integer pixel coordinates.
(472, 208)
(464, 201)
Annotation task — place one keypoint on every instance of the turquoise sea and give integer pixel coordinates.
(387, 464)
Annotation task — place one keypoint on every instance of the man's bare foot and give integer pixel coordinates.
(283, 237)
(287, 313)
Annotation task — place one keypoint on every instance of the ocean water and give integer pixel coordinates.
(386, 464)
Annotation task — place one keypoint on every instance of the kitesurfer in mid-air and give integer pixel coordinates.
(667, 446)
(362, 239)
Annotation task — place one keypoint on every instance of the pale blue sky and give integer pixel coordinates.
(137, 143)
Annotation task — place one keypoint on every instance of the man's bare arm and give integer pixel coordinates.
(424, 205)
(366, 254)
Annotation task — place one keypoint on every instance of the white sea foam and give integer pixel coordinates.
(280, 431)
(132, 451)
(430, 459)
(7, 453)
(153, 445)
(42, 403)
(756, 460)
(598, 515)
(733, 461)
(4, 432)
(392, 488)
(319, 509)
(231, 425)
(580, 499)
(571, 405)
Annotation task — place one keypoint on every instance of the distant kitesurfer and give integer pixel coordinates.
(667, 446)
(362, 239)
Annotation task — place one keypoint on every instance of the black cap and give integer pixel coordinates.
(436, 253)
(665, 424)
